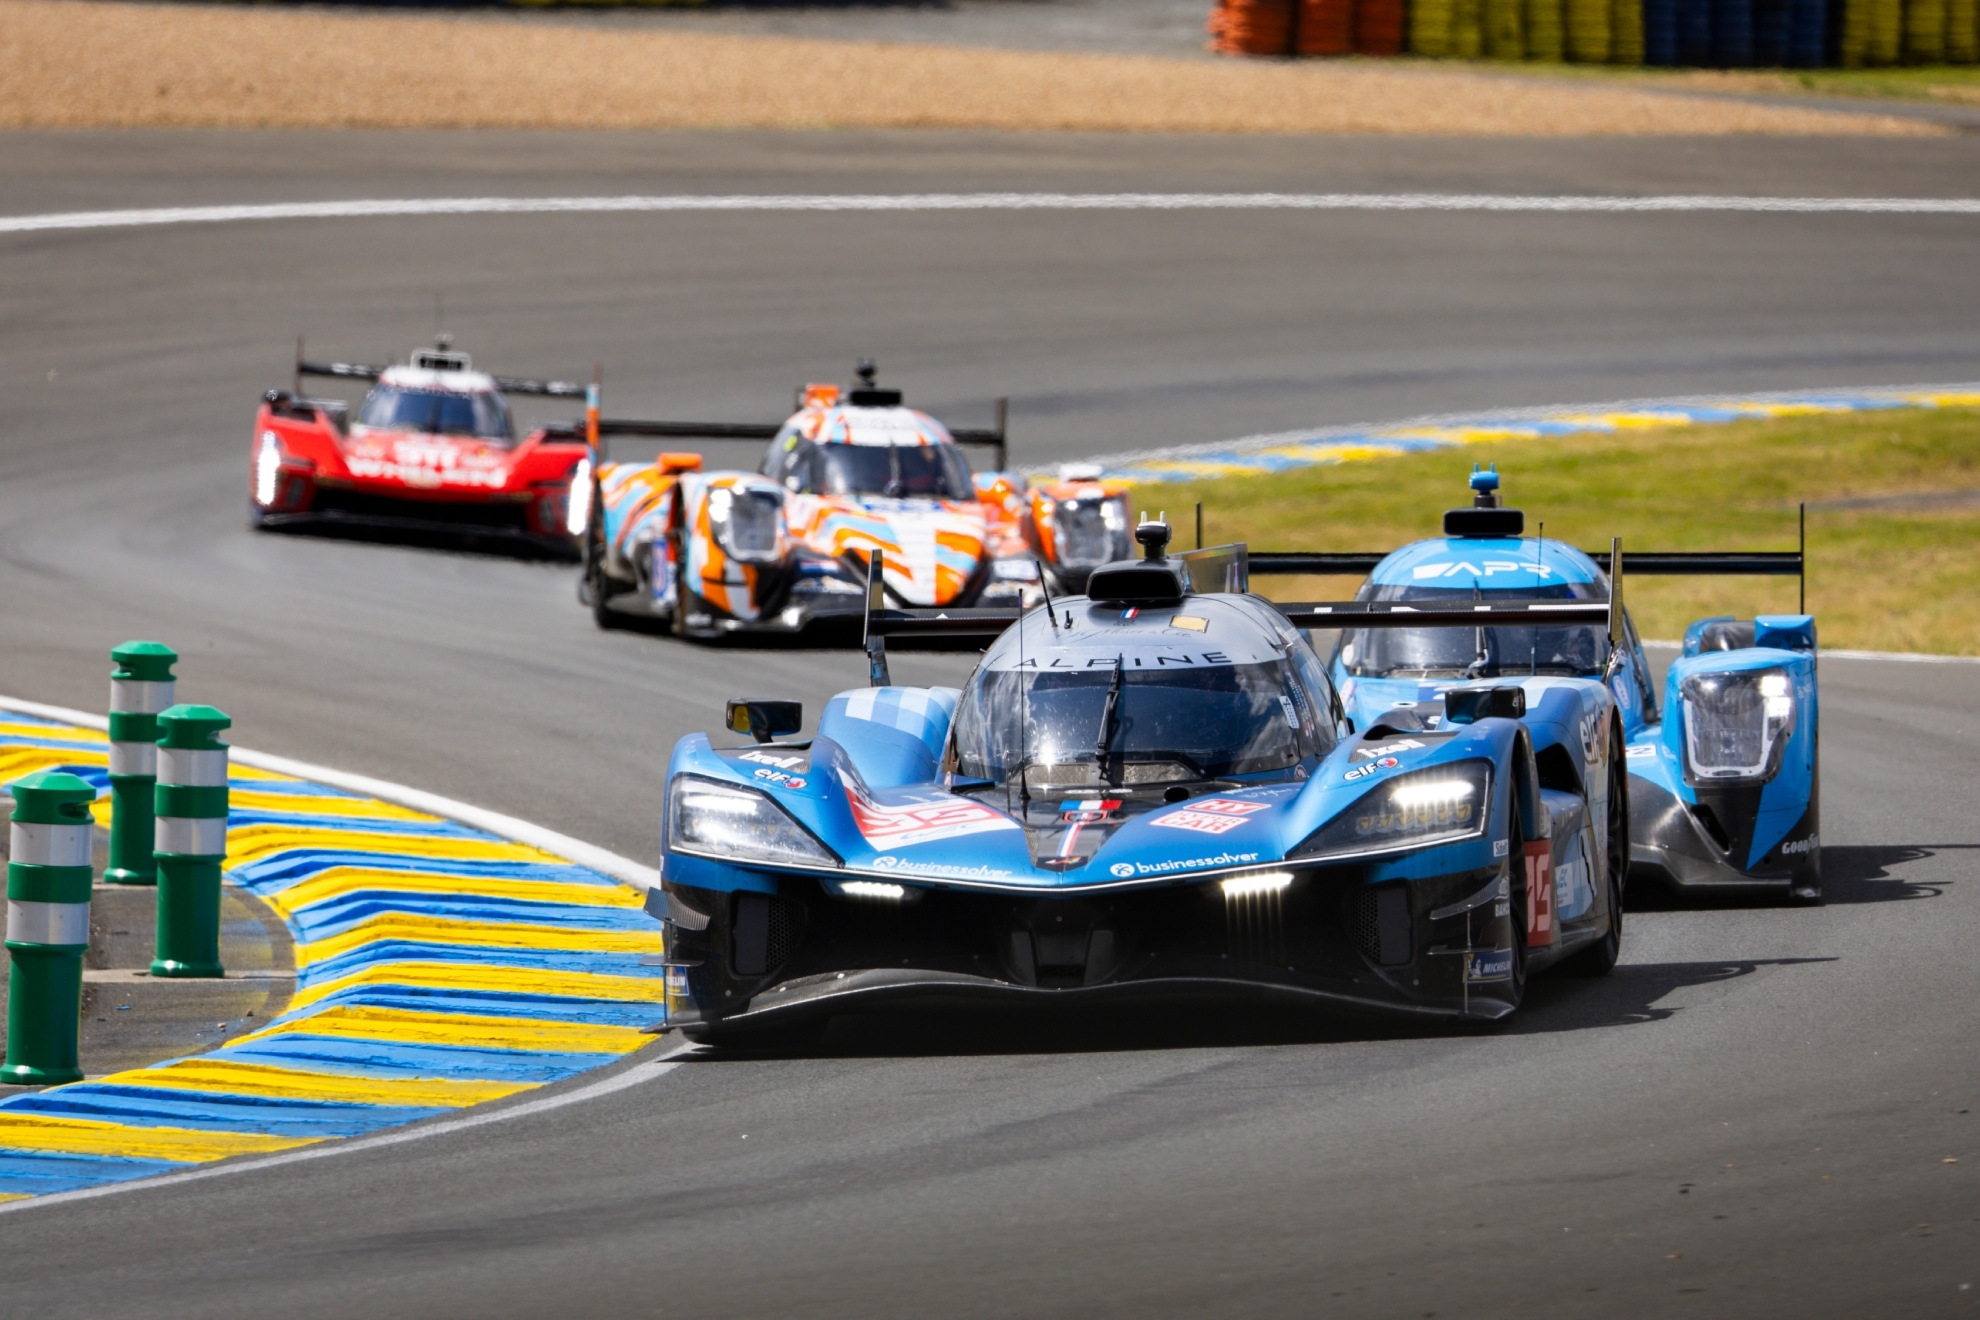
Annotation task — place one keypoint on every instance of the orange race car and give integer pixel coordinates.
(849, 473)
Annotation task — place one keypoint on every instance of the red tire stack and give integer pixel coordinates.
(1307, 27)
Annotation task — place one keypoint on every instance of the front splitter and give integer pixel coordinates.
(905, 988)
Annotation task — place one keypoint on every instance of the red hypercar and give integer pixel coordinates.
(432, 449)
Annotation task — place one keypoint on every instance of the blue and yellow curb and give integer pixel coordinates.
(438, 966)
(1262, 455)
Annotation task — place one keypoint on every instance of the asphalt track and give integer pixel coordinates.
(1753, 1115)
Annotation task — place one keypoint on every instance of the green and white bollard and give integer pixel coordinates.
(140, 686)
(48, 883)
(190, 835)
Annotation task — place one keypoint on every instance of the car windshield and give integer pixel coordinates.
(1111, 724)
(936, 471)
(436, 412)
(1576, 650)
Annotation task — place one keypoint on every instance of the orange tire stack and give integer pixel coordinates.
(1252, 27)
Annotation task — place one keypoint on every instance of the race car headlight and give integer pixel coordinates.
(730, 821)
(747, 523)
(267, 469)
(1736, 725)
(1441, 805)
(577, 505)
(1091, 531)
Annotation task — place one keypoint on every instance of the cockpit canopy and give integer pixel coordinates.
(434, 411)
(893, 452)
(1117, 707)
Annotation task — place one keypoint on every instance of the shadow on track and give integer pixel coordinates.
(1851, 873)
(1630, 995)
(466, 540)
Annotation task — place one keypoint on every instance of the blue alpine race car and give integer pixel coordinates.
(1152, 789)
(1723, 791)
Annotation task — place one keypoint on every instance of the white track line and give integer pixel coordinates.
(633, 1076)
(999, 201)
(574, 850)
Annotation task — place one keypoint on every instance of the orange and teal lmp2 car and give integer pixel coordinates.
(432, 450)
(850, 473)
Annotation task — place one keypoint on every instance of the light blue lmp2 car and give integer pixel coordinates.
(1722, 765)
(1151, 789)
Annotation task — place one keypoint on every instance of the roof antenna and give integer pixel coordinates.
(1045, 587)
(1024, 728)
(1539, 562)
(441, 339)
(1199, 524)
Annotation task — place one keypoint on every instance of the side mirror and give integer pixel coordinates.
(763, 719)
(1469, 705)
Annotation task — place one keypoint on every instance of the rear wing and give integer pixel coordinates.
(992, 438)
(556, 389)
(1648, 563)
(1223, 565)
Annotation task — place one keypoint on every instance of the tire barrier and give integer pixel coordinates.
(1316, 27)
(1266, 454)
(49, 876)
(1727, 34)
(437, 966)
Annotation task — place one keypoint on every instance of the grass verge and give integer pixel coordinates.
(1893, 517)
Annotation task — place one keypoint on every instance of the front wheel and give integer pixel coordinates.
(595, 589)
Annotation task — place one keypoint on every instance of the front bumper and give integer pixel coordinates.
(1699, 848)
(348, 511)
(1330, 941)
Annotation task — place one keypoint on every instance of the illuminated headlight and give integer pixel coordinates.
(267, 469)
(1014, 570)
(747, 523)
(1091, 532)
(1737, 724)
(727, 820)
(1255, 884)
(577, 505)
(879, 889)
(1443, 805)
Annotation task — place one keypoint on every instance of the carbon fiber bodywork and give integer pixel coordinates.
(1329, 941)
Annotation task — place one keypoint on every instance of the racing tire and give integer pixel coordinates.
(1600, 958)
(1516, 870)
(595, 589)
